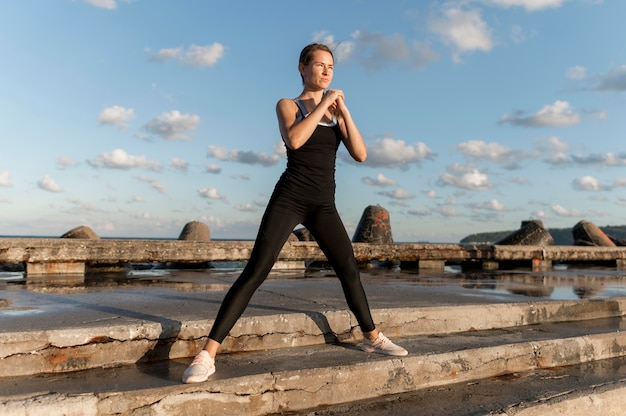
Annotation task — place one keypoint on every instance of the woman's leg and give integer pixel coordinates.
(328, 230)
(330, 234)
(277, 224)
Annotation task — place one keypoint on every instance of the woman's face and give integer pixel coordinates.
(318, 74)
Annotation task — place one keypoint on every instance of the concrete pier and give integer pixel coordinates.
(74, 256)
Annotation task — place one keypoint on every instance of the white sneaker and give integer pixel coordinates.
(382, 345)
(200, 369)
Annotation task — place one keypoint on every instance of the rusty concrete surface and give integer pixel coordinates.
(458, 327)
(594, 388)
(77, 324)
(292, 379)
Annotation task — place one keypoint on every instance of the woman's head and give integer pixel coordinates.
(307, 54)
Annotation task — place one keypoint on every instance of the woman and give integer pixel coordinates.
(312, 127)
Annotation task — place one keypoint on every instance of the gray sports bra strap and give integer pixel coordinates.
(302, 109)
(302, 113)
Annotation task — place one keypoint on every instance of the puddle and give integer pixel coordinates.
(11, 276)
(562, 282)
(154, 273)
(19, 312)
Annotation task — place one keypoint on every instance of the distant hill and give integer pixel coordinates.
(562, 236)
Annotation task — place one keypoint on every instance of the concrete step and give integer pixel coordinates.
(98, 344)
(593, 388)
(294, 379)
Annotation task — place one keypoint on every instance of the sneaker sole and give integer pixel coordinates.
(392, 353)
(196, 379)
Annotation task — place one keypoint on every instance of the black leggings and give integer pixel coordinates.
(280, 218)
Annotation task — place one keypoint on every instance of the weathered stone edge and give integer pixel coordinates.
(74, 349)
(303, 389)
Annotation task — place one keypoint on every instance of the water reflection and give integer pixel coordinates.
(565, 282)
(11, 276)
(560, 284)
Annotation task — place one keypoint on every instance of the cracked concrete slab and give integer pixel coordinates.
(121, 343)
(298, 378)
(60, 350)
(597, 387)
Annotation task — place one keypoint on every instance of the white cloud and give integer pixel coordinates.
(559, 159)
(116, 116)
(173, 125)
(66, 162)
(246, 208)
(375, 50)
(399, 193)
(576, 72)
(5, 178)
(530, 5)
(552, 144)
(613, 80)
(167, 54)
(79, 207)
(491, 205)
(379, 180)
(153, 183)
(608, 159)
(103, 4)
(494, 152)
(517, 34)
(556, 148)
(431, 194)
(464, 30)
(465, 177)
(446, 211)
(207, 55)
(210, 193)
(419, 212)
(599, 114)
(487, 211)
(48, 184)
(378, 50)
(212, 168)
(605, 159)
(280, 149)
(552, 115)
(119, 159)
(587, 183)
(241, 156)
(179, 164)
(194, 55)
(563, 212)
(341, 51)
(392, 153)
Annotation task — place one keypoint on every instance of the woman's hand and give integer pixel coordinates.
(333, 100)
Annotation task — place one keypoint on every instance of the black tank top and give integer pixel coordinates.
(310, 172)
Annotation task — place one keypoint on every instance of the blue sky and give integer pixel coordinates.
(134, 117)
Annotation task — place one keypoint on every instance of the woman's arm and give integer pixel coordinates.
(352, 137)
(296, 133)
